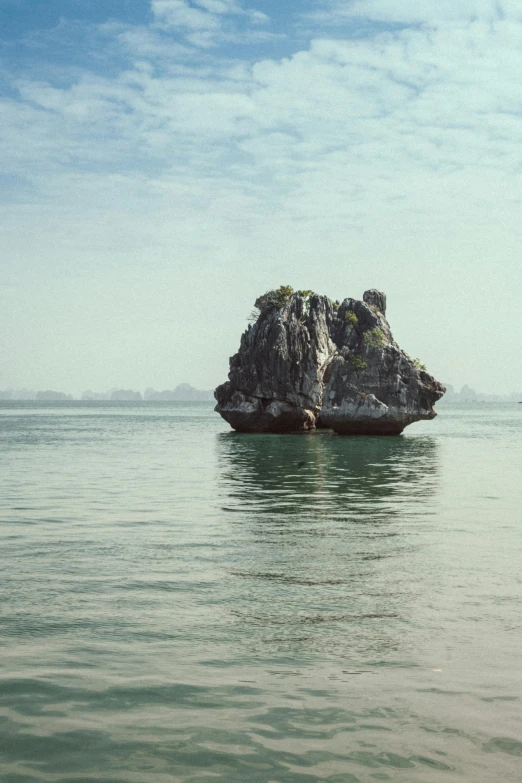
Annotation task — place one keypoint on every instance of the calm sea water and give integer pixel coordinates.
(182, 603)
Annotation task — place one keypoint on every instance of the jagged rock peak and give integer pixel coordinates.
(377, 298)
(307, 361)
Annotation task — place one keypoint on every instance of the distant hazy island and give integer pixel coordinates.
(29, 394)
(467, 394)
(184, 392)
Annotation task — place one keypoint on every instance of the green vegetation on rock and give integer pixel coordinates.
(418, 365)
(282, 295)
(277, 299)
(357, 363)
(374, 338)
(351, 318)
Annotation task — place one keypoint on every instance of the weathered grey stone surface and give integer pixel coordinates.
(309, 363)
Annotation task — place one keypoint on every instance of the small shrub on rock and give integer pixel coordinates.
(282, 295)
(357, 363)
(374, 338)
(351, 318)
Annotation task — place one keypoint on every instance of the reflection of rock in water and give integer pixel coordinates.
(329, 534)
(308, 475)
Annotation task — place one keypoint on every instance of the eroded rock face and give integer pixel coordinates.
(307, 362)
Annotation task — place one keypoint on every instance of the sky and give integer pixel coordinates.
(164, 162)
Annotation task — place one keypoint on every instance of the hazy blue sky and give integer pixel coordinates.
(165, 162)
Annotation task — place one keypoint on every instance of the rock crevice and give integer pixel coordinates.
(308, 362)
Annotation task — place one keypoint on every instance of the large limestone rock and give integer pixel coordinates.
(307, 362)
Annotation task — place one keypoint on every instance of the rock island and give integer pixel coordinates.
(309, 362)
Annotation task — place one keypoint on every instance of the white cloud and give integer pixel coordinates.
(143, 42)
(206, 23)
(431, 12)
(179, 14)
(220, 6)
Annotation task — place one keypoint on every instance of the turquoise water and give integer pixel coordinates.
(182, 603)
